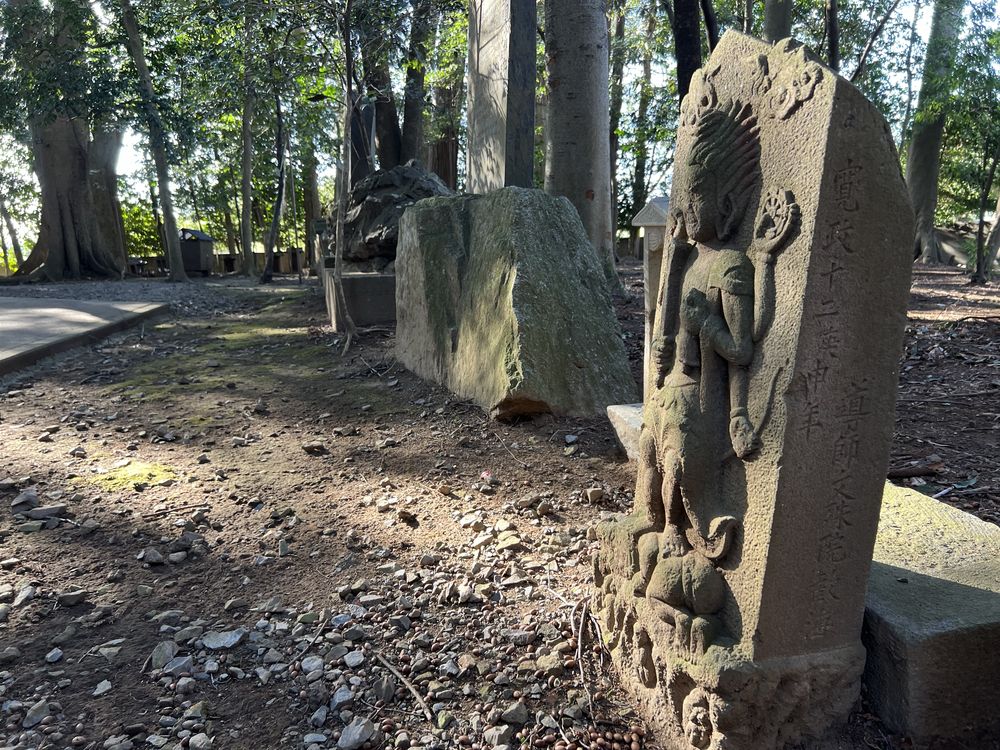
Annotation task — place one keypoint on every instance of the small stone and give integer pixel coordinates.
(151, 556)
(54, 655)
(179, 665)
(234, 604)
(35, 714)
(312, 663)
(354, 659)
(315, 448)
(314, 738)
(356, 734)
(594, 494)
(102, 687)
(516, 713)
(162, 654)
(185, 685)
(9, 654)
(200, 741)
(71, 598)
(226, 639)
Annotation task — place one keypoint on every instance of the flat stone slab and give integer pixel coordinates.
(626, 419)
(32, 328)
(370, 298)
(932, 622)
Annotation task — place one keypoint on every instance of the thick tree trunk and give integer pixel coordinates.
(687, 42)
(388, 136)
(617, 96)
(157, 141)
(908, 112)
(412, 145)
(103, 160)
(70, 242)
(362, 126)
(711, 23)
(15, 243)
(777, 19)
(924, 162)
(577, 159)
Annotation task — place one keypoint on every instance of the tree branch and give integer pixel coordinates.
(876, 33)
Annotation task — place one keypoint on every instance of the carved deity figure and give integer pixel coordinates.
(716, 303)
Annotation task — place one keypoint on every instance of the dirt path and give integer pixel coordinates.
(363, 538)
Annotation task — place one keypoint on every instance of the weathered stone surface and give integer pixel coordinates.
(501, 128)
(733, 595)
(502, 299)
(371, 227)
(626, 420)
(932, 622)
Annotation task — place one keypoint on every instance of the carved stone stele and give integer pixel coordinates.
(732, 596)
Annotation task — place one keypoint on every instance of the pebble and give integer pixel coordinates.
(54, 655)
(102, 687)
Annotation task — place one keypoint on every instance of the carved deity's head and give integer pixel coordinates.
(716, 164)
(697, 718)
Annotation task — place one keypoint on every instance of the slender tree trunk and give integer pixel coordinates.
(617, 96)
(278, 210)
(989, 252)
(748, 16)
(577, 159)
(15, 243)
(312, 209)
(924, 162)
(687, 42)
(908, 112)
(412, 144)
(157, 140)
(777, 19)
(873, 37)
(984, 264)
(832, 34)
(711, 23)
(246, 135)
(6, 253)
(640, 190)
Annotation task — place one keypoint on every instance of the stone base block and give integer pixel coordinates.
(932, 623)
(370, 298)
(626, 419)
(718, 700)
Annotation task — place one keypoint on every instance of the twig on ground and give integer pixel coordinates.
(168, 511)
(409, 686)
(319, 631)
(523, 464)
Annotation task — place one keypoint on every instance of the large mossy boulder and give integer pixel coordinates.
(501, 298)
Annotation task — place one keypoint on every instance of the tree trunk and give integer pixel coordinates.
(617, 95)
(388, 137)
(989, 251)
(312, 208)
(246, 136)
(639, 187)
(103, 161)
(362, 125)
(279, 199)
(70, 241)
(711, 23)
(157, 141)
(924, 162)
(777, 19)
(832, 34)
(984, 263)
(15, 243)
(687, 42)
(908, 112)
(413, 95)
(577, 159)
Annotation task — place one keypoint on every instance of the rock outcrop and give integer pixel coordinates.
(371, 227)
(502, 299)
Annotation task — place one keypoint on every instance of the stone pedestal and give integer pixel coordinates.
(370, 298)
(932, 623)
(732, 597)
(501, 130)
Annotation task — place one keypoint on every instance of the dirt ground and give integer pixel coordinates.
(279, 545)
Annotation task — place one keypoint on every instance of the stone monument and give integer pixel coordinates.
(501, 94)
(732, 597)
